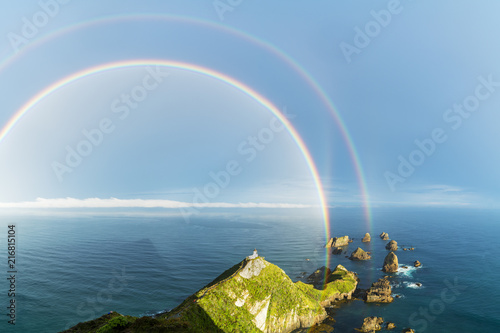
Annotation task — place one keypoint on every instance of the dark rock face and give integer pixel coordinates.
(390, 263)
(371, 324)
(338, 241)
(392, 245)
(367, 238)
(417, 263)
(359, 294)
(379, 292)
(359, 254)
(337, 250)
(318, 277)
(384, 236)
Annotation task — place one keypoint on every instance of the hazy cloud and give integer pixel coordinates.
(137, 203)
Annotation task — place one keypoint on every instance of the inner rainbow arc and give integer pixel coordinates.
(187, 66)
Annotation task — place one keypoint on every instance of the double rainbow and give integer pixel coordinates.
(307, 77)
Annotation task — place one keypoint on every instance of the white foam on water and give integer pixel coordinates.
(408, 271)
(153, 313)
(412, 285)
(395, 284)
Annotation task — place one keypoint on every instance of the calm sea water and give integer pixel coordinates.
(73, 268)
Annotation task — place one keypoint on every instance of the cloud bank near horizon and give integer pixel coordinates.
(138, 203)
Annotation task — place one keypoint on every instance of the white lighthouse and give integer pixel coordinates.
(254, 255)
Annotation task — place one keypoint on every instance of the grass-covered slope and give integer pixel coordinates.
(259, 297)
(340, 285)
(252, 296)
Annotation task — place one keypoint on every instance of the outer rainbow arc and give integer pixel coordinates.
(261, 43)
(195, 68)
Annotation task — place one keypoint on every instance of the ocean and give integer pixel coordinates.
(76, 267)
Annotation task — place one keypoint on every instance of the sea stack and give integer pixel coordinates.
(384, 236)
(390, 263)
(367, 238)
(379, 292)
(359, 254)
(338, 241)
(371, 324)
(417, 263)
(392, 245)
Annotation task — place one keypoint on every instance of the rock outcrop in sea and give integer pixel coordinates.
(338, 241)
(367, 238)
(371, 324)
(417, 263)
(379, 292)
(390, 263)
(384, 236)
(359, 254)
(392, 245)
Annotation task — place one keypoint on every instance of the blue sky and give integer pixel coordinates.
(417, 84)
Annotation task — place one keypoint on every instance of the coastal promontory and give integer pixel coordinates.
(252, 296)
